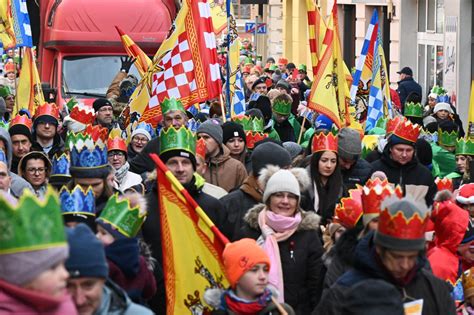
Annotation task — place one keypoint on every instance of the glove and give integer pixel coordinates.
(127, 62)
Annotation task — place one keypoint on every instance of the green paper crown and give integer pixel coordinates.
(282, 107)
(334, 130)
(438, 90)
(121, 216)
(250, 123)
(448, 139)
(3, 124)
(177, 139)
(30, 224)
(464, 147)
(413, 109)
(381, 123)
(5, 91)
(171, 104)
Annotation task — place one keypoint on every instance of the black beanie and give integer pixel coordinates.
(46, 119)
(424, 152)
(269, 154)
(20, 129)
(448, 126)
(232, 129)
(165, 156)
(258, 81)
(101, 102)
(265, 106)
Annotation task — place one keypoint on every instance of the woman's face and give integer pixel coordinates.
(284, 203)
(236, 145)
(431, 102)
(461, 161)
(327, 163)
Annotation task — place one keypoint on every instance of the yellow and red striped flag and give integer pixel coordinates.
(142, 61)
(7, 33)
(29, 93)
(317, 30)
(192, 246)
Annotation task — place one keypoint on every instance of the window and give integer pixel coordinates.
(431, 16)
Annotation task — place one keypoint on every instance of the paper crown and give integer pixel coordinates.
(4, 124)
(5, 91)
(170, 104)
(374, 192)
(116, 144)
(122, 217)
(281, 107)
(83, 114)
(60, 165)
(31, 224)
(193, 124)
(85, 152)
(47, 109)
(413, 109)
(438, 90)
(177, 139)
(464, 147)
(393, 123)
(444, 184)
(282, 61)
(408, 131)
(249, 123)
(446, 138)
(252, 137)
(349, 211)
(22, 120)
(96, 132)
(147, 127)
(324, 142)
(77, 201)
(3, 157)
(9, 67)
(201, 148)
(381, 123)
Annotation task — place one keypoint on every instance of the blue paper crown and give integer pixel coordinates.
(193, 125)
(147, 127)
(87, 153)
(3, 157)
(61, 164)
(77, 201)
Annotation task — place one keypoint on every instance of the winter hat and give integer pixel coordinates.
(254, 112)
(258, 81)
(101, 102)
(349, 144)
(283, 84)
(424, 153)
(213, 129)
(141, 131)
(86, 254)
(240, 256)
(45, 119)
(442, 106)
(281, 181)
(232, 129)
(293, 148)
(263, 103)
(323, 122)
(428, 120)
(269, 154)
(466, 194)
(20, 129)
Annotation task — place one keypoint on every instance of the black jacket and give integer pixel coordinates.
(411, 174)
(142, 162)
(434, 291)
(407, 86)
(359, 173)
(301, 274)
(285, 131)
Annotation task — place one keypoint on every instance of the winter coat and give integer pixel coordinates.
(411, 176)
(224, 171)
(444, 161)
(424, 285)
(359, 173)
(405, 87)
(142, 162)
(113, 93)
(58, 146)
(288, 130)
(116, 302)
(17, 300)
(131, 154)
(301, 274)
(131, 179)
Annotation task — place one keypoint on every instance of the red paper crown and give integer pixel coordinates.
(324, 142)
(9, 67)
(96, 132)
(116, 144)
(201, 148)
(400, 227)
(393, 123)
(407, 131)
(49, 109)
(83, 114)
(22, 120)
(282, 61)
(246, 69)
(444, 184)
(349, 211)
(374, 192)
(253, 137)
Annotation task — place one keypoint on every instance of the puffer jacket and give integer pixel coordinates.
(359, 173)
(116, 302)
(224, 171)
(424, 285)
(301, 274)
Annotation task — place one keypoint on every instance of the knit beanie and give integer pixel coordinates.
(213, 129)
(424, 153)
(283, 84)
(23, 267)
(442, 106)
(86, 254)
(263, 103)
(293, 148)
(232, 129)
(448, 126)
(269, 153)
(349, 144)
(45, 119)
(281, 181)
(240, 256)
(101, 102)
(141, 131)
(20, 129)
(323, 122)
(393, 140)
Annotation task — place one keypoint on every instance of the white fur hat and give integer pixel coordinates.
(276, 180)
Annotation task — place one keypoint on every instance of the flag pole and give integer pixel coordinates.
(227, 64)
(301, 129)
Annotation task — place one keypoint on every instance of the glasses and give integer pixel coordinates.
(105, 109)
(116, 153)
(137, 139)
(39, 170)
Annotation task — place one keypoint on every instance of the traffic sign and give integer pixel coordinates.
(262, 28)
(250, 28)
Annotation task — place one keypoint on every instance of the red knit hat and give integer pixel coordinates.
(240, 256)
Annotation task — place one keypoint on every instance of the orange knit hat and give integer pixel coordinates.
(240, 256)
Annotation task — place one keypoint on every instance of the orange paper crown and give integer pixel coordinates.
(116, 144)
(349, 211)
(393, 123)
(282, 61)
(83, 114)
(47, 109)
(22, 120)
(444, 184)
(407, 131)
(253, 137)
(374, 192)
(400, 227)
(9, 67)
(201, 148)
(96, 132)
(324, 142)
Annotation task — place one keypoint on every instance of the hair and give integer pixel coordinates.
(215, 110)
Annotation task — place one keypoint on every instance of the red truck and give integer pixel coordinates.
(79, 47)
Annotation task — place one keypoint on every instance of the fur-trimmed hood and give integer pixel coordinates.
(309, 219)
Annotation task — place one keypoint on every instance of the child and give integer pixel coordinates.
(117, 227)
(33, 249)
(247, 267)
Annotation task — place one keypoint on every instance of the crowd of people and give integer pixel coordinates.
(322, 220)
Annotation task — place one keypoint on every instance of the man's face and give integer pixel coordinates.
(46, 130)
(398, 263)
(260, 88)
(10, 103)
(282, 67)
(212, 147)
(182, 168)
(442, 114)
(402, 153)
(86, 294)
(402, 76)
(5, 179)
(346, 164)
(20, 145)
(280, 118)
(105, 115)
(175, 118)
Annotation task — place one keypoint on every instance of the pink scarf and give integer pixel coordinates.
(276, 228)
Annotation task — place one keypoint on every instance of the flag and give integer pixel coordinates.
(238, 101)
(142, 61)
(233, 59)
(29, 93)
(316, 29)
(388, 109)
(219, 15)
(21, 23)
(470, 115)
(192, 247)
(7, 34)
(376, 96)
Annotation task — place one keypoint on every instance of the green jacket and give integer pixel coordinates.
(444, 161)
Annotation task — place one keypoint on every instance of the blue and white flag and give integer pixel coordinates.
(238, 101)
(21, 23)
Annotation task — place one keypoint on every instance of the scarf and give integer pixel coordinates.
(250, 186)
(121, 173)
(276, 228)
(244, 307)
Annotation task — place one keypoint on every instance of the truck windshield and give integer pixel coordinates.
(90, 76)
